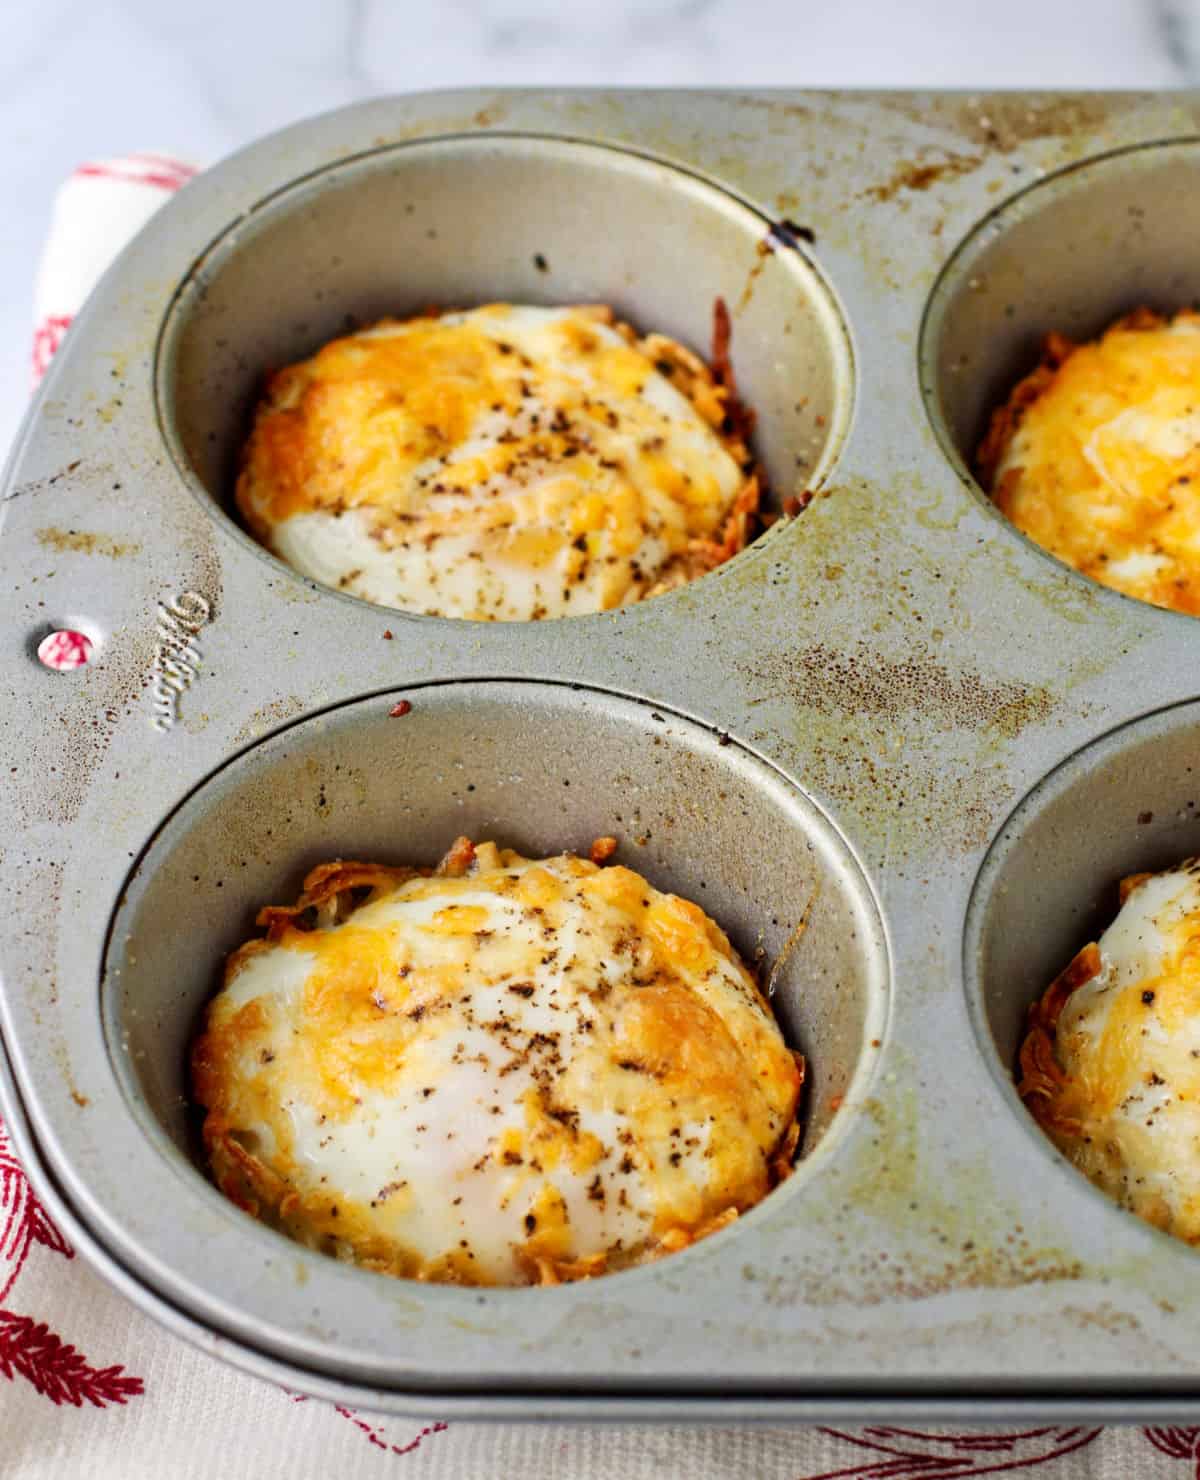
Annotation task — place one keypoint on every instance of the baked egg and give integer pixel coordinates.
(1111, 1064)
(505, 463)
(1096, 457)
(503, 1071)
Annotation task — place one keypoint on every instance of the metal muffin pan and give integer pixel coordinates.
(535, 764)
(852, 707)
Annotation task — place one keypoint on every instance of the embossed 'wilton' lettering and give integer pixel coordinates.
(177, 659)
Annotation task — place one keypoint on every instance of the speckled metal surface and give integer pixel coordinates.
(856, 704)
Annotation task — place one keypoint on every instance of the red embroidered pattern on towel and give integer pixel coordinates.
(46, 339)
(905, 1454)
(375, 1433)
(28, 1348)
(1178, 1444)
(159, 170)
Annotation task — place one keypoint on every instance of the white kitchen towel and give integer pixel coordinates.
(95, 213)
(89, 1387)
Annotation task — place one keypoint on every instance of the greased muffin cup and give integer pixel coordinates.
(831, 728)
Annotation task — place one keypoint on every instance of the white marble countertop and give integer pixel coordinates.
(83, 79)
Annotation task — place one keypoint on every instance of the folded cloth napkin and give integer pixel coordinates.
(90, 1387)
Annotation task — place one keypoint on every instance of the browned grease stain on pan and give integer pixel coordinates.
(852, 739)
(972, 1239)
(920, 174)
(80, 542)
(69, 473)
(35, 898)
(1003, 124)
(86, 709)
(864, 682)
(762, 251)
(954, 805)
(866, 523)
(915, 741)
(84, 713)
(36, 895)
(266, 717)
(1011, 1263)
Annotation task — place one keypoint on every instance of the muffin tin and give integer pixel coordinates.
(837, 726)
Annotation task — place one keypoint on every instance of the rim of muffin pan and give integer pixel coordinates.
(586, 221)
(1123, 802)
(212, 862)
(1126, 241)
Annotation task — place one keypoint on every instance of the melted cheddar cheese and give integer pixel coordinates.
(1096, 457)
(1111, 1066)
(506, 463)
(506, 1072)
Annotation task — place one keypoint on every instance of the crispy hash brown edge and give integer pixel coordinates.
(1042, 1081)
(334, 891)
